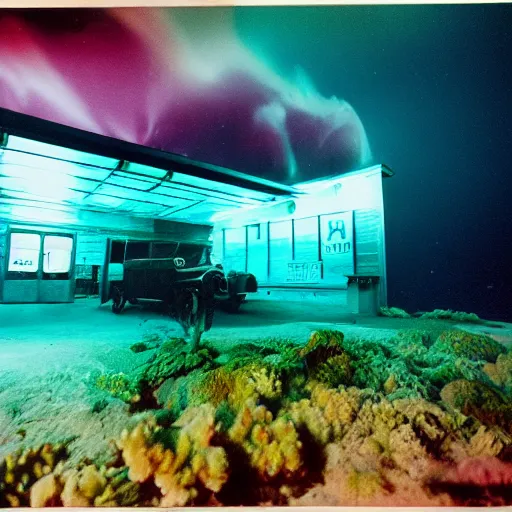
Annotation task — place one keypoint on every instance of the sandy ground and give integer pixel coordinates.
(50, 356)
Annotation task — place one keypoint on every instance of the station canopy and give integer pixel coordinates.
(49, 167)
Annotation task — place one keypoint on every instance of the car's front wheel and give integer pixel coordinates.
(118, 301)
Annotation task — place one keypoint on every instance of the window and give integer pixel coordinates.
(57, 253)
(24, 252)
(194, 255)
(306, 240)
(137, 250)
(117, 252)
(164, 249)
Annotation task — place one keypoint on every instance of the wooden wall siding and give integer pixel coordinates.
(337, 247)
(306, 240)
(91, 249)
(235, 256)
(368, 240)
(257, 251)
(273, 246)
(181, 231)
(281, 250)
(3, 241)
(117, 225)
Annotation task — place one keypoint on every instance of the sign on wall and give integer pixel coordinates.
(337, 244)
(307, 272)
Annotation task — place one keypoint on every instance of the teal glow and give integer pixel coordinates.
(59, 153)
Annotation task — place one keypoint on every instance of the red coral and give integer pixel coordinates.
(480, 472)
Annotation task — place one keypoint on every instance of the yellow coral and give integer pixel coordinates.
(328, 413)
(236, 386)
(72, 496)
(91, 482)
(488, 442)
(22, 469)
(194, 461)
(501, 371)
(408, 453)
(363, 485)
(273, 446)
(45, 490)
(141, 458)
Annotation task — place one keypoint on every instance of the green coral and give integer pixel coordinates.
(412, 341)
(456, 316)
(262, 348)
(337, 370)
(120, 385)
(378, 363)
(447, 368)
(175, 359)
(325, 358)
(393, 312)
(474, 347)
(408, 366)
(476, 399)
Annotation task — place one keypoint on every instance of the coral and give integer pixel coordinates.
(328, 413)
(85, 487)
(489, 442)
(261, 349)
(481, 472)
(325, 359)
(501, 371)
(478, 481)
(175, 359)
(273, 446)
(44, 492)
(446, 368)
(345, 485)
(119, 491)
(476, 399)
(321, 346)
(20, 470)
(182, 471)
(408, 453)
(256, 380)
(393, 312)
(407, 434)
(411, 342)
(470, 346)
(448, 314)
(120, 386)
(82, 486)
(396, 367)
(335, 371)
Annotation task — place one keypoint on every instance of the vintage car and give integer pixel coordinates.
(182, 276)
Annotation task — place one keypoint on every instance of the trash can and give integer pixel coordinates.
(363, 294)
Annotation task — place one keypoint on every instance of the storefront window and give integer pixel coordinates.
(24, 252)
(57, 254)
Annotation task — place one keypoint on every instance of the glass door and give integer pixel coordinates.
(57, 277)
(23, 268)
(40, 267)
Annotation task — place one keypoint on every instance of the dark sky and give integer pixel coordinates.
(433, 87)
